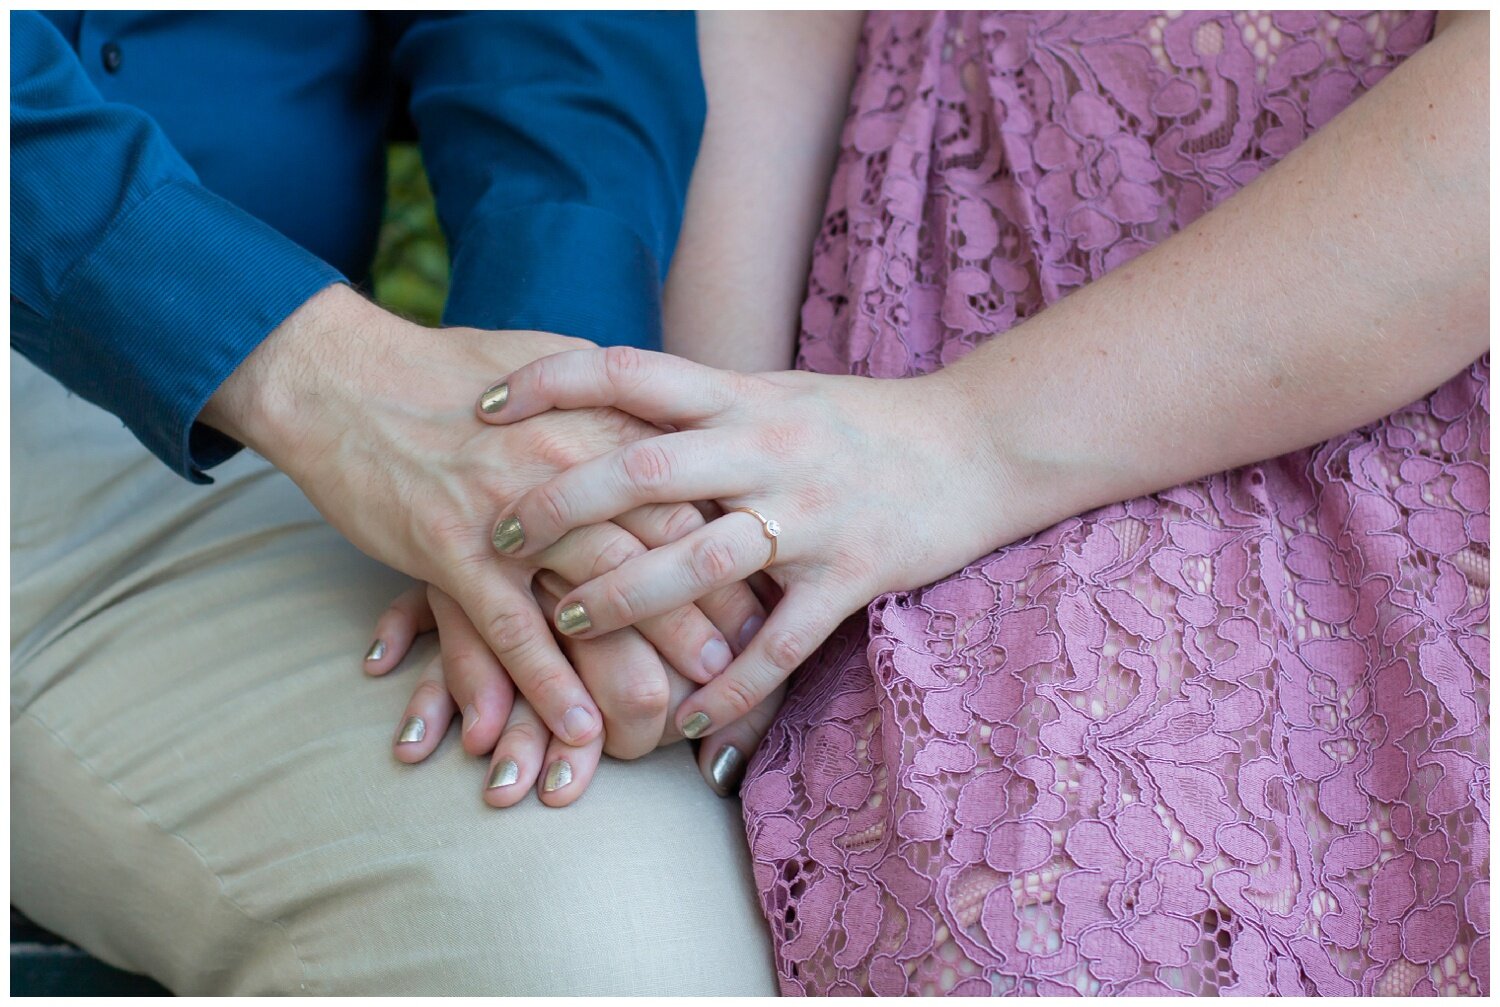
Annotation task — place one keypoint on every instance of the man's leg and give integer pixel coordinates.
(202, 785)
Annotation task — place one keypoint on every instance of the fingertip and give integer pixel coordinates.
(410, 754)
(567, 775)
(723, 767)
(559, 783)
(716, 656)
(580, 726)
(572, 619)
(376, 661)
(747, 633)
(492, 400)
(416, 739)
(694, 725)
(483, 720)
(507, 781)
(471, 730)
(509, 538)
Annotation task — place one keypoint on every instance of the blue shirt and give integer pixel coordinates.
(181, 182)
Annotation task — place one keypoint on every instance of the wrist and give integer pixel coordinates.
(299, 373)
(339, 357)
(1024, 484)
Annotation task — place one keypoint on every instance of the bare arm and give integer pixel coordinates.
(778, 87)
(1349, 280)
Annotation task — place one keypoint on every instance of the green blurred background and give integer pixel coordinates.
(411, 259)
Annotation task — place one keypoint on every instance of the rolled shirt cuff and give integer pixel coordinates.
(177, 294)
(556, 267)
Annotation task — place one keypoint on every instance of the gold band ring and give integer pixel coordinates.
(768, 527)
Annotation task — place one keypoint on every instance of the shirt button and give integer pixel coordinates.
(109, 55)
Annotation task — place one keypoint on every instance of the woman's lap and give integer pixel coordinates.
(202, 787)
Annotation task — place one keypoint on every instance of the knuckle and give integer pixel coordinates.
(678, 623)
(511, 632)
(785, 649)
(616, 552)
(738, 697)
(640, 698)
(555, 444)
(622, 599)
(815, 496)
(542, 381)
(725, 393)
(467, 666)
(547, 684)
(623, 364)
(679, 521)
(647, 466)
(711, 561)
(551, 501)
(447, 535)
(781, 439)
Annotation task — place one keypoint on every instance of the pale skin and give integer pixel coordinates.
(721, 308)
(1347, 281)
(371, 416)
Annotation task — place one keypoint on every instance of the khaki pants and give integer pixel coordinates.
(202, 784)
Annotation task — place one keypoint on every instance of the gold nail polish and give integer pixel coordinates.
(377, 651)
(695, 725)
(508, 535)
(414, 730)
(726, 771)
(504, 774)
(573, 619)
(493, 399)
(559, 775)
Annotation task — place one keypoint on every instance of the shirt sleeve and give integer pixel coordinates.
(131, 283)
(559, 148)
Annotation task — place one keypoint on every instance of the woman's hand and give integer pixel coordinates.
(372, 417)
(860, 505)
(465, 676)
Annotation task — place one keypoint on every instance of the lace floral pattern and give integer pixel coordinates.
(1227, 738)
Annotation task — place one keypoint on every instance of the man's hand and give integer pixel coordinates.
(373, 417)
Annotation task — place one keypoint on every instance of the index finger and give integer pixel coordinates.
(656, 387)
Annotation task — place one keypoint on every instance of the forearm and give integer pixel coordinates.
(1348, 281)
(777, 85)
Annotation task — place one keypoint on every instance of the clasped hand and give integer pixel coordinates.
(862, 502)
(372, 417)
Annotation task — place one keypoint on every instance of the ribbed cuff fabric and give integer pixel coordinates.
(558, 267)
(178, 293)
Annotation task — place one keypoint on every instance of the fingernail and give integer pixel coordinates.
(573, 619)
(577, 722)
(559, 775)
(508, 535)
(749, 629)
(726, 771)
(504, 774)
(695, 725)
(716, 656)
(494, 398)
(414, 730)
(471, 717)
(376, 652)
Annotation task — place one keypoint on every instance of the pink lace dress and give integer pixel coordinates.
(1226, 738)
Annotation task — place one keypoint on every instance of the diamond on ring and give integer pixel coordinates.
(771, 529)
